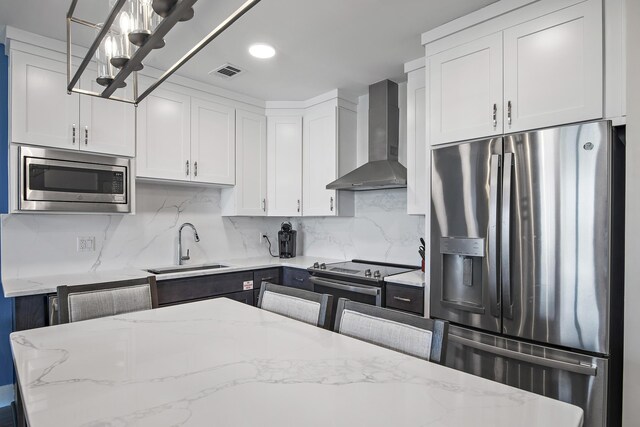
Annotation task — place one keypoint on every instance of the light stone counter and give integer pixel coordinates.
(220, 362)
(410, 278)
(48, 284)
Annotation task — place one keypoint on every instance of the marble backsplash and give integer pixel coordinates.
(35, 245)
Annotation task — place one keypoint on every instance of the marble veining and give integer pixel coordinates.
(45, 244)
(224, 363)
(410, 278)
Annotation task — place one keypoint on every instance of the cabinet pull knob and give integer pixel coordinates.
(509, 113)
(495, 115)
(298, 205)
(264, 205)
(86, 135)
(401, 299)
(73, 134)
(331, 204)
(187, 167)
(195, 168)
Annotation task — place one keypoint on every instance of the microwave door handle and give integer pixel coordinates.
(575, 367)
(493, 235)
(505, 273)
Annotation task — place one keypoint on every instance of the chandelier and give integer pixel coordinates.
(132, 30)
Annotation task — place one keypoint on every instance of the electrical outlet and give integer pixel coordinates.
(86, 244)
(262, 239)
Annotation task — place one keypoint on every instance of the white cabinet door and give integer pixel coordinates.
(320, 160)
(466, 91)
(164, 125)
(251, 172)
(417, 165)
(553, 68)
(42, 113)
(106, 126)
(284, 165)
(213, 143)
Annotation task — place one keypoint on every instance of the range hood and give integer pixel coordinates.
(383, 169)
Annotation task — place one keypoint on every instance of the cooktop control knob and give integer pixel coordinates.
(316, 265)
(376, 274)
(367, 273)
(323, 266)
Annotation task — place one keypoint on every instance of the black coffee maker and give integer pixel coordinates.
(287, 240)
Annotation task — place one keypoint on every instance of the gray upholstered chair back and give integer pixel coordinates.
(406, 333)
(306, 306)
(83, 302)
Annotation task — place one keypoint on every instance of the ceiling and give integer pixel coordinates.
(321, 44)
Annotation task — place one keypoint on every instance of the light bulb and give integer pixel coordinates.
(125, 23)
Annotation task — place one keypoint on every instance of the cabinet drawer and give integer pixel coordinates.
(297, 278)
(271, 275)
(406, 298)
(192, 288)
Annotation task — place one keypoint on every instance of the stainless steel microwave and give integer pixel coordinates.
(65, 181)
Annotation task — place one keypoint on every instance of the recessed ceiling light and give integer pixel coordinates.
(262, 51)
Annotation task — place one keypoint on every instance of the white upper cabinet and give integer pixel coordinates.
(417, 164)
(545, 68)
(164, 133)
(249, 196)
(106, 126)
(329, 151)
(284, 165)
(213, 148)
(42, 113)
(466, 91)
(553, 69)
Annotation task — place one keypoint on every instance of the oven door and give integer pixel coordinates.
(366, 294)
(58, 181)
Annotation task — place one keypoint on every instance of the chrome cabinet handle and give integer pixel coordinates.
(509, 113)
(195, 168)
(73, 134)
(86, 135)
(331, 204)
(298, 205)
(495, 115)
(401, 299)
(264, 205)
(505, 273)
(187, 168)
(493, 235)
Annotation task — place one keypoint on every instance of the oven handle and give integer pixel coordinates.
(343, 286)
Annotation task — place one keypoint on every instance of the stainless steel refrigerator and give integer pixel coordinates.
(527, 241)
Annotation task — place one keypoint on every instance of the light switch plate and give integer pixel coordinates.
(86, 244)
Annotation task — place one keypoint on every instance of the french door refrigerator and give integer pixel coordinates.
(527, 261)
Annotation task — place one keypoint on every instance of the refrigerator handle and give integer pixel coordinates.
(575, 367)
(493, 234)
(505, 233)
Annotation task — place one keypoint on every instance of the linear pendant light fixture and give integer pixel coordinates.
(130, 32)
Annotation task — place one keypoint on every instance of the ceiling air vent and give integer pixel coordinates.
(226, 71)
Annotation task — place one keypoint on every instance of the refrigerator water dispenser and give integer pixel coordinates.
(462, 260)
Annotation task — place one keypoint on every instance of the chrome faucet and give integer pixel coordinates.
(186, 257)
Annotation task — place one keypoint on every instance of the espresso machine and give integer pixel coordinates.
(287, 240)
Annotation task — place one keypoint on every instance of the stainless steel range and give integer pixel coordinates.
(357, 280)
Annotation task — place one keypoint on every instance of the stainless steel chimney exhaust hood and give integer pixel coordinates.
(383, 169)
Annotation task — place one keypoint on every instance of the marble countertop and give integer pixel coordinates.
(16, 287)
(229, 364)
(410, 278)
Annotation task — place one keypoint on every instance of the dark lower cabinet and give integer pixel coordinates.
(405, 298)
(271, 275)
(256, 296)
(296, 278)
(203, 287)
(244, 296)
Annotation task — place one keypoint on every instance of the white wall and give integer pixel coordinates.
(631, 382)
(34, 245)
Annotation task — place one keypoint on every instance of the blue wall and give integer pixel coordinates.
(6, 312)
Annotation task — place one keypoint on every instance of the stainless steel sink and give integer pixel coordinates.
(185, 268)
